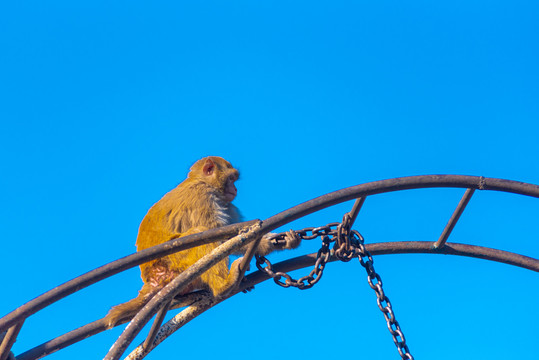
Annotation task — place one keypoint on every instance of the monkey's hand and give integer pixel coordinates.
(292, 240)
(271, 242)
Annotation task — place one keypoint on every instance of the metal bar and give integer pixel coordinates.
(406, 247)
(176, 285)
(118, 266)
(454, 218)
(176, 323)
(91, 329)
(247, 257)
(9, 339)
(480, 252)
(155, 327)
(355, 210)
(397, 184)
(63, 341)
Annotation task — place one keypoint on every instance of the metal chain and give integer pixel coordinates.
(375, 282)
(348, 244)
(306, 282)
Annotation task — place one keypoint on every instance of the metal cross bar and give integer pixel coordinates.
(155, 326)
(454, 218)
(9, 340)
(355, 209)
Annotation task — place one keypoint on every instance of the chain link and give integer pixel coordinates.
(322, 257)
(348, 244)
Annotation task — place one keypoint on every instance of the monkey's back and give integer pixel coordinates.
(189, 208)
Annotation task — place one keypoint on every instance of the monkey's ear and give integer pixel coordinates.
(209, 167)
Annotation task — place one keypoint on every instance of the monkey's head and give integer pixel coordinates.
(218, 173)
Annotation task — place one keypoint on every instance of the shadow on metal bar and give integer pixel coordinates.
(12, 322)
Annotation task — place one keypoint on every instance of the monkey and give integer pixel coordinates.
(202, 201)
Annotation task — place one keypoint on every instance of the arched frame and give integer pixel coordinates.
(249, 232)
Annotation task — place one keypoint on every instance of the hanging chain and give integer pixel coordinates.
(375, 282)
(348, 244)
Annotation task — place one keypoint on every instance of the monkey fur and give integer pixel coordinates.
(201, 202)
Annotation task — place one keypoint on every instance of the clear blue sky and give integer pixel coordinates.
(105, 105)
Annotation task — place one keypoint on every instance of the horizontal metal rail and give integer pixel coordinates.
(407, 247)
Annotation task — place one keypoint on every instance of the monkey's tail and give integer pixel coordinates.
(129, 309)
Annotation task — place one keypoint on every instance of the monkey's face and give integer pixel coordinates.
(219, 174)
(230, 189)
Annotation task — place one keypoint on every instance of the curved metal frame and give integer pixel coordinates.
(13, 321)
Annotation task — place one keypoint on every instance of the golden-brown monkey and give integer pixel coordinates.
(201, 202)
